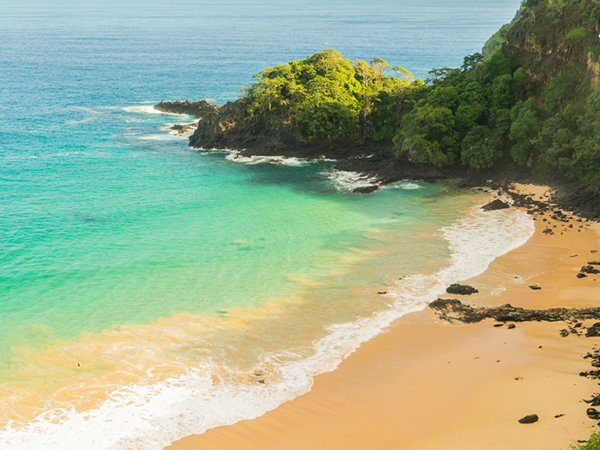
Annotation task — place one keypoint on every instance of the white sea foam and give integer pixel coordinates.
(278, 160)
(147, 109)
(92, 115)
(149, 417)
(348, 181)
(406, 185)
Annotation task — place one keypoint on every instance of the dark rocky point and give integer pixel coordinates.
(512, 326)
(496, 204)
(197, 109)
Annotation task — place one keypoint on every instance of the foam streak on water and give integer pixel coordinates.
(150, 417)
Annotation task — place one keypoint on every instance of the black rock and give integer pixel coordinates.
(535, 288)
(449, 304)
(593, 413)
(581, 275)
(548, 231)
(512, 326)
(594, 263)
(461, 289)
(589, 269)
(532, 418)
(365, 190)
(496, 204)
(593, 331)
(498, 325)
(558, 415)
(564, 333)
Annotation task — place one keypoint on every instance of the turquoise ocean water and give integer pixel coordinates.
(148, 291)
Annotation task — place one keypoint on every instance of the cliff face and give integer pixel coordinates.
(553, 38)
(232, 127)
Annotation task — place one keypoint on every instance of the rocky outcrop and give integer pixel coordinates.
(184, 128)
(461, 289)
(197, 109)
(452, 309)
(496, 204)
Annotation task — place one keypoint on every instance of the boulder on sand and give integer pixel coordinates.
(496, 204)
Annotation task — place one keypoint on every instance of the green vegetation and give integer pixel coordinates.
(498, 38)
(325, 95)
(592, 444)
(528, 103)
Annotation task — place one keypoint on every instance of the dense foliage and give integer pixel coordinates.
(534, 105)
(325, 95)
(593, 443)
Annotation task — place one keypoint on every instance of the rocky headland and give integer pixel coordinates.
(197, 109)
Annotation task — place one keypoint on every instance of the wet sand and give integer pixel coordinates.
(430, 385)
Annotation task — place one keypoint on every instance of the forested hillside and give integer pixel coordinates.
(533, 102)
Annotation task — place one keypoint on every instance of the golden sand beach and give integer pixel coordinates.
(426, 384)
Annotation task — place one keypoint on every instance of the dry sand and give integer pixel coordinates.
(428, 385)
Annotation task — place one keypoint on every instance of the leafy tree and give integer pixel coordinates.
(558, 90)
(585, 162)
(402, 73)
(526, 124)
(481, 148)
(428, 135)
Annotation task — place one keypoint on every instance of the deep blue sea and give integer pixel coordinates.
(149, 291)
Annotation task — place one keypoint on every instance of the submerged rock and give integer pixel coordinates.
(496, 204)
(365, 190)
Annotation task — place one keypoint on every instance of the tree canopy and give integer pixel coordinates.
(509, 108)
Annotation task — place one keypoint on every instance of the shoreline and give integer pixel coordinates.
(424, 384)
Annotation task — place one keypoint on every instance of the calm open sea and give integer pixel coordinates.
(148, 291)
